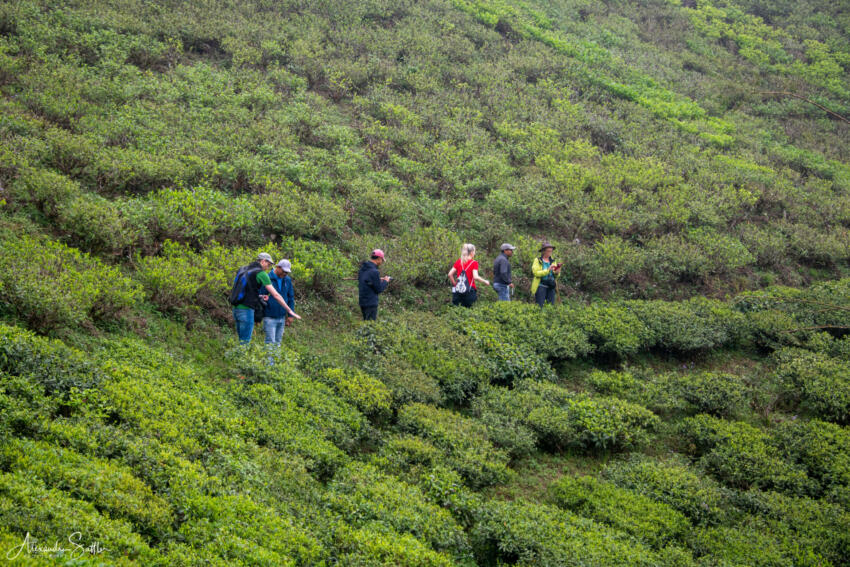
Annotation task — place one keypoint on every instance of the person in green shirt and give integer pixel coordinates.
(257, 286)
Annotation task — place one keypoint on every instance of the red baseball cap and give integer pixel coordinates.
(377, 252)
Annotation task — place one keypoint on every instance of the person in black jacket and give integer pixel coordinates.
(371, 284)
(502, 272)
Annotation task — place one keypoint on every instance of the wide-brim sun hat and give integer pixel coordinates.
(546, 245)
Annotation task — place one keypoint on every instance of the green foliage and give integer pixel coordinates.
(742, 456)
(822, 448)
(672, 482)
(58, 369)
(51, 285)
(465, 441)
(110, 488)
(361, 494)
(696, 324)
(821, 382)
(654, 523)
(562, 419)
(537, 534)
(286, 210)
(367, 394)
(442, 353)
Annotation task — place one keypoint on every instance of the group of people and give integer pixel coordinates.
(464, 274)
(263, 293)
(262, 290)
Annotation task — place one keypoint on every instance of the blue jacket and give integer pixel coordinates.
(283, 286)
(370, 284)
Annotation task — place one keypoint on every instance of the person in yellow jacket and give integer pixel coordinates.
(545, 270)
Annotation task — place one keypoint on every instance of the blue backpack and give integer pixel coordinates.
(240, 283)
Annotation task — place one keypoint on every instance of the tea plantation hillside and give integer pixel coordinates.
(685, 403)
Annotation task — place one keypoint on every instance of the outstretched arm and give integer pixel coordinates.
(273, 292)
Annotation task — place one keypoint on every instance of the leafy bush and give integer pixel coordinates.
(109, 487)
(613, 329)
(23, 506)
(823, 448)
(51, 285)
(376, 545)
(286, 210)
(423, 256)
(562, 419)
(57, 368)
(361, 494)
(554, 334)
(697, 324)
(821, 382)
(742, 456)
(675, 483)
(810, 532)
(465, 442)
(715, 393)
(441, 352)
(537, 534)
(199, 215)
(654, 523)
(367, 394)
(508, 362)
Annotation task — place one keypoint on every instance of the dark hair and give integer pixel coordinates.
(374, 257)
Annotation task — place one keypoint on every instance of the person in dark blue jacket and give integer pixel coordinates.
(371, 284)
(274, 315)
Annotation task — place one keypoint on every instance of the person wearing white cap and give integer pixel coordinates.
(502, 272)
(370, 284)
(274, 315)
(246, 295)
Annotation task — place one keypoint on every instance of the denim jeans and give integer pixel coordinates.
(503, 290)
(274, 330)
(544, 294)
(244, 319)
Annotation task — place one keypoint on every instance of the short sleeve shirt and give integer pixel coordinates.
(470, 265)
(263, 279)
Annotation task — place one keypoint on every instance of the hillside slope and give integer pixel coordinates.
(687, 402)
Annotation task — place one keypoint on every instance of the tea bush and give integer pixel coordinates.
(367, 394)
(742, 456)
(537, 534)
(697, 324)
(715, 393)
(441, 352)
(821, 383)
(286, 210)
(553, 334)
(674, 483)
(199, 215)
(822, 448)
(508, 363)
(811, 532)
(377, 545)
(110, 488)
(51, 285)
(562, 419)
(361, 494)
(654, 523)
(27, 502)
(56, 368)
(465, 442)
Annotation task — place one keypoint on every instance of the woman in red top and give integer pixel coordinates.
(463, 275)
